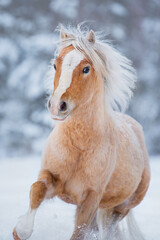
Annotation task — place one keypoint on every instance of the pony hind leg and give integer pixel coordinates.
(137, 196)
(124, 209)
(108, 219)
(42, 189)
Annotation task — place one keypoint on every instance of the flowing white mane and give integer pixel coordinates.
(117, 71)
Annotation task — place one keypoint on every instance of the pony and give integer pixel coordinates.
(95, 157)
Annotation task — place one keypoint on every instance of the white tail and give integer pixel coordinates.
(133, 230)
(111, 228)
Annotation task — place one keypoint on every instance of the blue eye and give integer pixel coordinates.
(54, 66)
(86, 70)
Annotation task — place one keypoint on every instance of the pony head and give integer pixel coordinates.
(84, 66)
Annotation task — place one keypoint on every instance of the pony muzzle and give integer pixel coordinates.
(59, 110)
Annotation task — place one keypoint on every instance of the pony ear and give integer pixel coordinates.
(64, 35)
(91, 37)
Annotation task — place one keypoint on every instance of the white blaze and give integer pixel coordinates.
(70, 61)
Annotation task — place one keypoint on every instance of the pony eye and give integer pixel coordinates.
(86, 70)
(54, 66)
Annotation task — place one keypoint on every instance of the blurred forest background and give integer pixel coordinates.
(26, 47)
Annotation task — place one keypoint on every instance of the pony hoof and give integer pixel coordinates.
(24, 227)
(15, 236)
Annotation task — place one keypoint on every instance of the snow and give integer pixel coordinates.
(8, 47)
(4, 3)
(66, 8)
(118, 9)
(118, 32)
(55, 218)
(39, 42)
(6, 20)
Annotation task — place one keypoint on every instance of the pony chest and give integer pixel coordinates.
(60, 159)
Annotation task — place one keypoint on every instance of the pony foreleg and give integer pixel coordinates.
(84, 215)
(45, 187)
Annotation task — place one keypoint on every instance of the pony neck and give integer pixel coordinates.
(92, 115)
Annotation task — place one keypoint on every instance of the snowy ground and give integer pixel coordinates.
(54, 219)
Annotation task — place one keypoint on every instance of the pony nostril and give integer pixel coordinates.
(49, 103)
(63, 106)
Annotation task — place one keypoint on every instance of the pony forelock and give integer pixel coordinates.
(117, 71)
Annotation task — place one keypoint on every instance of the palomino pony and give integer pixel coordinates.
(95, 157)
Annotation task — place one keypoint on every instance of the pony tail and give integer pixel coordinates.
(116, 229)
(134, 232)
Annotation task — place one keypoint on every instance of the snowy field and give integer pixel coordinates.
(54, 220)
